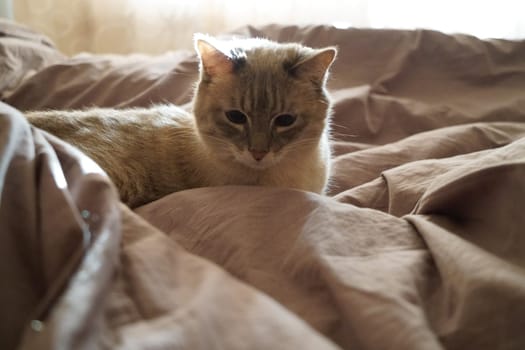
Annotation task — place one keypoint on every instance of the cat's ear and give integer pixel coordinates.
(214, 62)
(315, 66)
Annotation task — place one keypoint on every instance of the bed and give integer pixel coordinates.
(419, 244)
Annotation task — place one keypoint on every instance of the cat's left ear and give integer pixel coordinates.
(316, 66)
(214, 62)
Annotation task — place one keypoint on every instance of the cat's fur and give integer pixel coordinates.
(151, 152)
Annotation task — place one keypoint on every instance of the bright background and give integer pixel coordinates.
(153, 26)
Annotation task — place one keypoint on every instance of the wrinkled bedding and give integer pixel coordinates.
(419, 244)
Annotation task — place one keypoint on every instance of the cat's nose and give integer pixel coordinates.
(258, 155)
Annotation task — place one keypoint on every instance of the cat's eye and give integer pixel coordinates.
(284, 120)
(236, 117)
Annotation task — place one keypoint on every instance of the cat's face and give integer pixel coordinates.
(259, 102)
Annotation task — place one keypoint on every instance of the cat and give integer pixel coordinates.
(260, 117)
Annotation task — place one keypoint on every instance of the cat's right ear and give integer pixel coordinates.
(214, 62)
(316, 66)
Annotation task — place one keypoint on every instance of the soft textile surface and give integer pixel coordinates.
(22, 53)
(161, 295)
(420, 243)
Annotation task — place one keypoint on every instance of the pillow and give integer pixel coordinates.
(22, 53)
(89, 80)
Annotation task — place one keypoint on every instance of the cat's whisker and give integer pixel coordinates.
(339, 137)
(332, 124)
(219, 141)
(300, 145)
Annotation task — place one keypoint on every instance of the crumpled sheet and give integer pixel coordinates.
(419, 245)
(81, 271)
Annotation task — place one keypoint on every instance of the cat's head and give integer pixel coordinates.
(258, 102)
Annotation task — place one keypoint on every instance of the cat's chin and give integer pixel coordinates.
(257, 165)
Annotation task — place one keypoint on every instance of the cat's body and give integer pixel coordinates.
(260, 118)
(161, 153)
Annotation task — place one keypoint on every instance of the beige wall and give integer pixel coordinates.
(154, 26)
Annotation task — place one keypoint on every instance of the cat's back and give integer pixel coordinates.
(108, 119)
(115, 135)
(136, 147)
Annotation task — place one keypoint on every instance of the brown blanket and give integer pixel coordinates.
(420, 244)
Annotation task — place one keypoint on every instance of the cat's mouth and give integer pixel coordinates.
(247, 159)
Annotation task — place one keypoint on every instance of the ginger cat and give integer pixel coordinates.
(260, 117)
